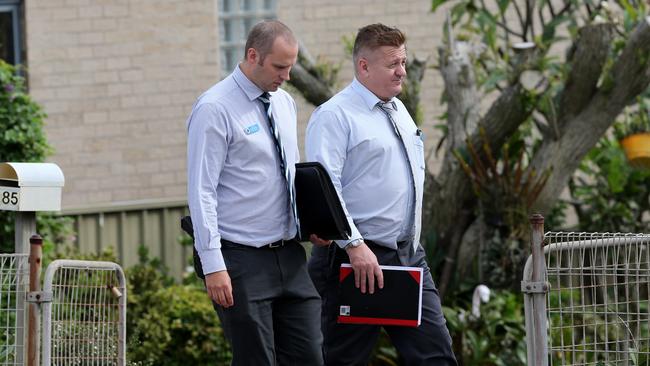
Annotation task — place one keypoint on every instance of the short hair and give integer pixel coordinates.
(376, 35)
(263, 34)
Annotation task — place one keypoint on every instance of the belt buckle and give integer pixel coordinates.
(276, 244)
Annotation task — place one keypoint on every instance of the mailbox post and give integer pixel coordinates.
(27, 188)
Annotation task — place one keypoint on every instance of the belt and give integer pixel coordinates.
(274, 245)
(278, 244)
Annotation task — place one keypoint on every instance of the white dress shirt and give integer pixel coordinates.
(235, 188)
(353, 138)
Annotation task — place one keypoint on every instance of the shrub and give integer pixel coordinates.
(170, 324)
(21, 135)
(497, 337)
(608, 194)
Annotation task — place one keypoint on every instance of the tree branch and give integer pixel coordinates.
(629, 77)
(587, 62)
(522, 24)
(304, 77)
(529, 20)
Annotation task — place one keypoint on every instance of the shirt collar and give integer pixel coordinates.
(369, 98)
(251, 90)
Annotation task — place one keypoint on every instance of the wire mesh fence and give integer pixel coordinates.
(597, 289)
(85, 322)
(14, 276)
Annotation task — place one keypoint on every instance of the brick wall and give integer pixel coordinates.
(118, 78)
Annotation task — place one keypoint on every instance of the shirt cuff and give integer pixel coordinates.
(212, 261)
(355, 235)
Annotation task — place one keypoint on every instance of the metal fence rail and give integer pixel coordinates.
(85, 322)
(13, 284)
(597, 300)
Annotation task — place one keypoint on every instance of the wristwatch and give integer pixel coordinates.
(354, 243)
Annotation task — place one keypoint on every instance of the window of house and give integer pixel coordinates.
(236, 18)
(10, 31)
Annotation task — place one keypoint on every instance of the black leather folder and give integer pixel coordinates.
(319, 208)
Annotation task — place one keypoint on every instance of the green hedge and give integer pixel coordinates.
(168, 323)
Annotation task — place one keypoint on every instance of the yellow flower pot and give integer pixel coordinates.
(637, 149)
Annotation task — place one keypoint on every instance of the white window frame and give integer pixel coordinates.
(240, 20)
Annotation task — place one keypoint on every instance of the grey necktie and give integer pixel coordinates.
(386, 108)
(265, 98)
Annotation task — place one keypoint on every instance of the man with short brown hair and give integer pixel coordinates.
(374, 154)
(241, 155)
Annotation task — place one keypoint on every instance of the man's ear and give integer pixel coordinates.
(251, 56)
(362, 66)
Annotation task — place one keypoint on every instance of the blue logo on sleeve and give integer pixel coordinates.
(252, 129)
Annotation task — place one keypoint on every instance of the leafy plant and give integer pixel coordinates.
(607, 194)
(21, 135)
(168, 323)
(497, 337)
(635, 119)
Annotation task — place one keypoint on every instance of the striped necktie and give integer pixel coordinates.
(265, 98)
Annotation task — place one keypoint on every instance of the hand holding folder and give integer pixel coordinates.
(319, 208)
(398, 303)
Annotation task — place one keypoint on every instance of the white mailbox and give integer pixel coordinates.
(30, 186)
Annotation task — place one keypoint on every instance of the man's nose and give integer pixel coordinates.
(401, 70)
(285, 74)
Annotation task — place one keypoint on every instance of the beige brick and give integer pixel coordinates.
(107, 103)
(93, 65)
(106, 77)
(91, 38)
(50, 4)
(117, 63)
(80, 79)
(175, 191)
(64, 13)
(148, 167)
(77, 2)
(163, 179)
(95, 117)
(132, 101)
(116, 11)
(131, 75)
(76, 25)
(79, 52)
(54, 80)
(90, 11)
(157, 100)
(116, 90)
(103, 24)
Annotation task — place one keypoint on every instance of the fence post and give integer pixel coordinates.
(540, 345)
(25, 226)
(34, 320)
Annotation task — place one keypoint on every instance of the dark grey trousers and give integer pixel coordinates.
(351, 344)
(276, 316)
